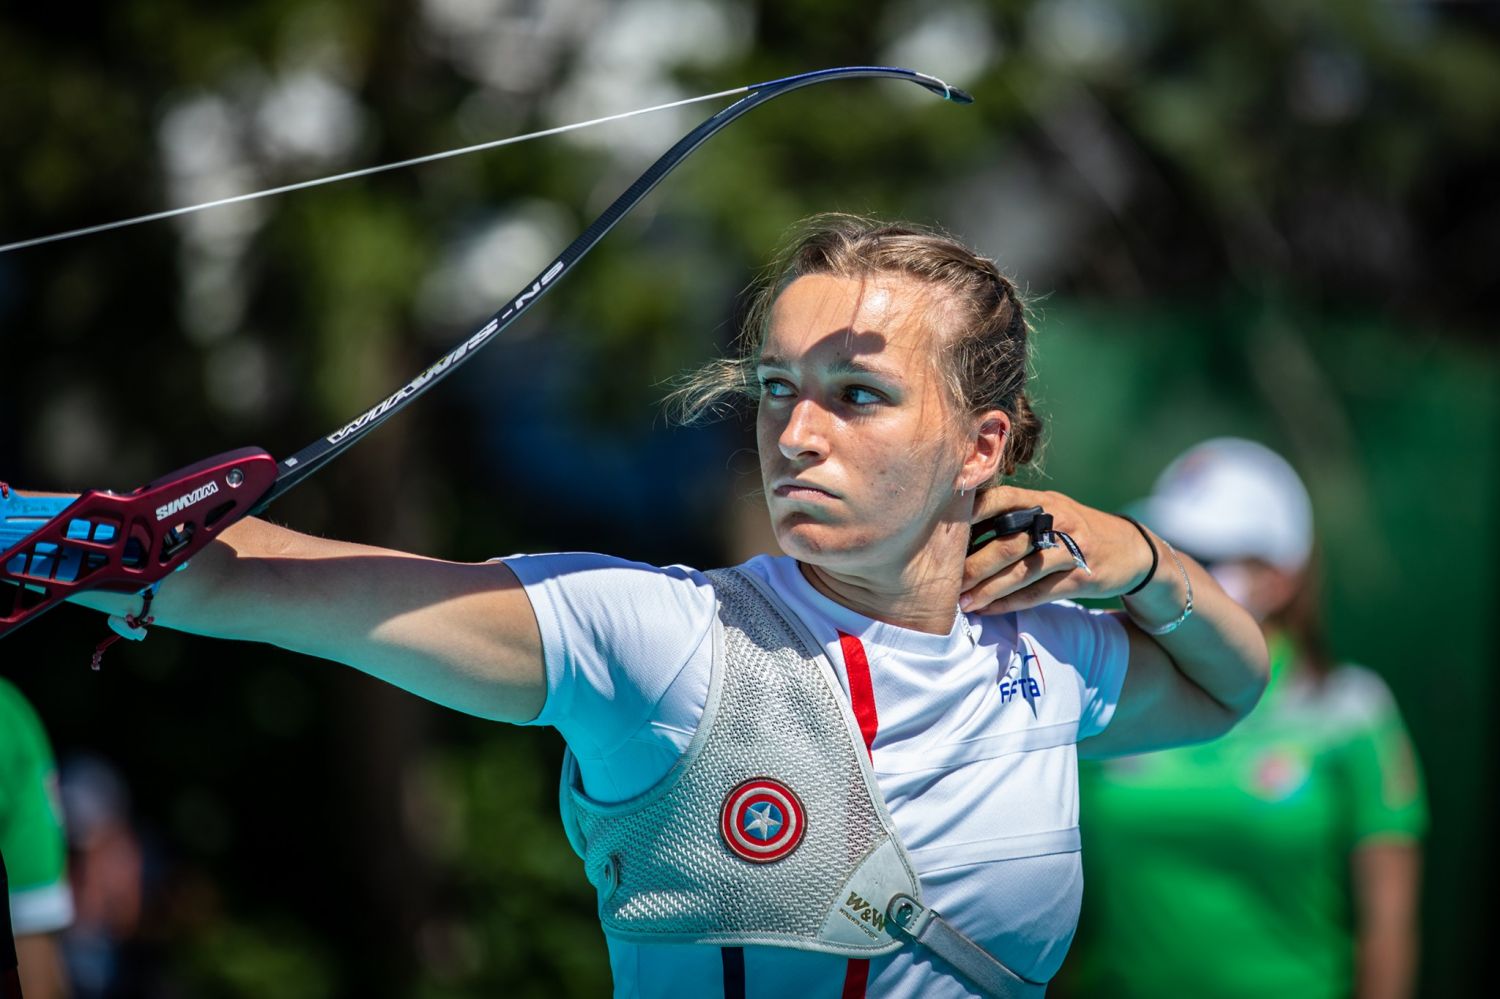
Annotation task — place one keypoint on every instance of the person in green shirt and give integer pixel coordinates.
(1282, 859)
(33, 845)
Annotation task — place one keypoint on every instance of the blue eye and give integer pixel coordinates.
(775, 388)
(861, 396)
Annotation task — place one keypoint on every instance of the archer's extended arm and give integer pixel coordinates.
(460, 634)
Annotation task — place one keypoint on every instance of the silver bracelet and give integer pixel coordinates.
(1187, 610)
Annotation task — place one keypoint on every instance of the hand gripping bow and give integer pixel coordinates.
(123, 543)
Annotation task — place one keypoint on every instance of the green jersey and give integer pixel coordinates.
(1223, 869)
(31, 830)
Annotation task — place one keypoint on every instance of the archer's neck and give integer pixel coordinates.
(919, 592)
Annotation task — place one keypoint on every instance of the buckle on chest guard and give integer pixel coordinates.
(983, 970)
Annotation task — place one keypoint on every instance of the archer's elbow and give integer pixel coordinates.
(1235, 703)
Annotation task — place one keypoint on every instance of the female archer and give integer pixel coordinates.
(848, 770)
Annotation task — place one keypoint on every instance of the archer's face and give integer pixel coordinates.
(857, 446)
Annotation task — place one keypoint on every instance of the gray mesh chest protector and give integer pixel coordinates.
(660, 861)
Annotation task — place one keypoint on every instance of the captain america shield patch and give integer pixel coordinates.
(762, 820)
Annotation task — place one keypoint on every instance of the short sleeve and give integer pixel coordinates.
(1095, 644)
(615, 636)
(31, 828)
(1377, 757)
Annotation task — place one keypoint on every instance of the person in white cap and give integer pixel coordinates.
(1282, 859)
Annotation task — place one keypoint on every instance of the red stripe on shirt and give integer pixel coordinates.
(861, 690)
(856, 978)
(862, 700)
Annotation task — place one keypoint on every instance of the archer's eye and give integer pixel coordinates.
(776, 388)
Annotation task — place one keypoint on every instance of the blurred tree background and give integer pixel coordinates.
(1276, 218)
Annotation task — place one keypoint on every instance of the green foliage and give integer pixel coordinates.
(524, 919)
(243, 960)
(1275, 218)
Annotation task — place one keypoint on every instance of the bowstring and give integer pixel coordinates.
(362, 172)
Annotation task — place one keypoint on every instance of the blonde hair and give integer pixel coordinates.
(983, 359)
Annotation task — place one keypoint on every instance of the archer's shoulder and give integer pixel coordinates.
(594, 564)
(611, 581)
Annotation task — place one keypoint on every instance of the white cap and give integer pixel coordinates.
(1229, 498)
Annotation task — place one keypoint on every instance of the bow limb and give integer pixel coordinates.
(127, 543)
(299, 466)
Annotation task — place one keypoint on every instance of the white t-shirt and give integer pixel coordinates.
(972, 735)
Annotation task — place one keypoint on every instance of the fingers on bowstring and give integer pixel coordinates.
(1054, 586)
(995, 555)
(1031, 580)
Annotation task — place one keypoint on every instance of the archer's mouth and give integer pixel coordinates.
(805, 491)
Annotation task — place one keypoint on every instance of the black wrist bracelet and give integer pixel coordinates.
(1155, 556)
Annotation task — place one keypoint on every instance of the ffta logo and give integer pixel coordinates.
(1018, 680)
(1026, 686)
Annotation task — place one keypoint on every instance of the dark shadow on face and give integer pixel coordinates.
(839, 349)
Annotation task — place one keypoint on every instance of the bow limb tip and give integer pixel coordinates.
(942, 89)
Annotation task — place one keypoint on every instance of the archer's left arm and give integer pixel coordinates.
(1188, 685)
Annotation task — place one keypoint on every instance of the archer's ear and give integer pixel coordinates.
(986, 449)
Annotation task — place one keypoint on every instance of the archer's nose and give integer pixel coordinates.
(805, 434)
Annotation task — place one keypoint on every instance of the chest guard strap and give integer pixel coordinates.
(982, 969)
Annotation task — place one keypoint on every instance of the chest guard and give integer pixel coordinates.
(768, 829)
